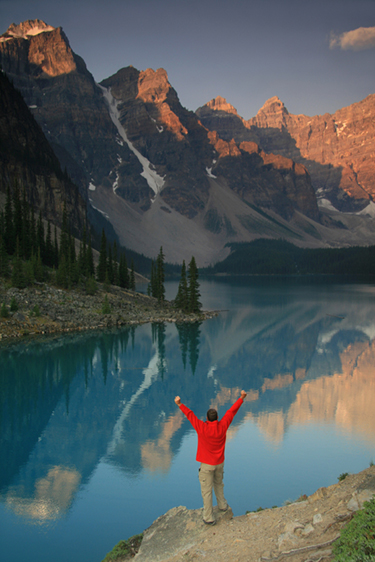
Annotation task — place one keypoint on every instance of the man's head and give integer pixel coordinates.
(211, 415)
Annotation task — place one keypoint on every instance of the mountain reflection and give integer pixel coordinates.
(66, 403)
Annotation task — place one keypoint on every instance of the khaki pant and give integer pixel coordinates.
(211, 476)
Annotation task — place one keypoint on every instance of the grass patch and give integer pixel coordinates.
(342, 476)
(124, 550)
(357, 540)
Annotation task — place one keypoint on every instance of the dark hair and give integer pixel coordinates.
(212, 415)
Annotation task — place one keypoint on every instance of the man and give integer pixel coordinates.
(210, 453)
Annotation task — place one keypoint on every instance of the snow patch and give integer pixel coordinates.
(209, 173)
(369, 210)
(326, 204)
(92, 187)
(33, 106)
(115, 183)
(99, 211)
(36, 30)
(155, 182)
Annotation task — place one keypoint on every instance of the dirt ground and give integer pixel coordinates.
(300, 532)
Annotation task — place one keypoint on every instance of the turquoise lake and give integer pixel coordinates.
(93, 448)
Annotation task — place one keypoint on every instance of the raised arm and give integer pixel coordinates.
(178, 400)
(243, 394)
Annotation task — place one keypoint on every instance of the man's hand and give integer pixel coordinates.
(178, 400)
(243, 394)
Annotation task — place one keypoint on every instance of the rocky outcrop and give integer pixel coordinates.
(335, 149)
(267, 181)
(304, 530)
(189, 182)
(46, 310)
(144, 161)
(64, 99)
(27, 160)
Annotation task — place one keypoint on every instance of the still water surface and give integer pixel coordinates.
(93, 448)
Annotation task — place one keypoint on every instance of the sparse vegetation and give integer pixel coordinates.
(125, 550)
(13, 305)
(357, 540)
(278, 257)
(106, 309)
(4, 312)
(342, 476)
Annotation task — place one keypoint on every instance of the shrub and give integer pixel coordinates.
(35, 311)
(91, 286)
(125, 549)
(4, 312)
(357, 540)
(342, 476)
(13, 305)
(106, 309)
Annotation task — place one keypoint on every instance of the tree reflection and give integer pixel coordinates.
(189, 339)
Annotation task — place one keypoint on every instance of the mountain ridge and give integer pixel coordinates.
(162, 175)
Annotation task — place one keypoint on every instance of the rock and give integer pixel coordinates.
(319, 494)
(269, 535)
(64, 314)
(317, 518)
(173, 533)
(336, 149)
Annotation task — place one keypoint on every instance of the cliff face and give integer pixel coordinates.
(166, 176)
(335, 149)
(28, 160)
(63, 98)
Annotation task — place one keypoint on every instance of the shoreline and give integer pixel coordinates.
(302, 531)
(45, 310)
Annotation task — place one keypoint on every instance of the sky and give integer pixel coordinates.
(316, 56)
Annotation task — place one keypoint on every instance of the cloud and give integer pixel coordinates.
(356, 40)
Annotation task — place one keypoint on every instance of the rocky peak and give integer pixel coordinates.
(271, 114)
(220, 104)
(26, 29)
(43, 49)
(153, 86)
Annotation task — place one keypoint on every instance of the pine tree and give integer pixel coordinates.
(33, 247)
(40, 237)
(153, 281)
(116, 279)
(111, 275)
(132, 277)
(82, 254)
(101, 270)
(49, 250)
(4, 260)
(160, 290)
(90, 268)
(124, 280)
(26, 238)
(182, 298)
(38, 270)
(56, 251)
(17, 220)
(64, 249)
(193, 291)
(18, 272)
(9, 239)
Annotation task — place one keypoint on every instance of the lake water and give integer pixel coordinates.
(93, 448)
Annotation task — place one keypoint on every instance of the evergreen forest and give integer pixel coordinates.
(278, 257)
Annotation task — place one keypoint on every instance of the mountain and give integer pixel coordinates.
(337, 150)
(163, 175)
(28, 160)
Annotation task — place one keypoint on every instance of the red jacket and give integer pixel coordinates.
(212, 435)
